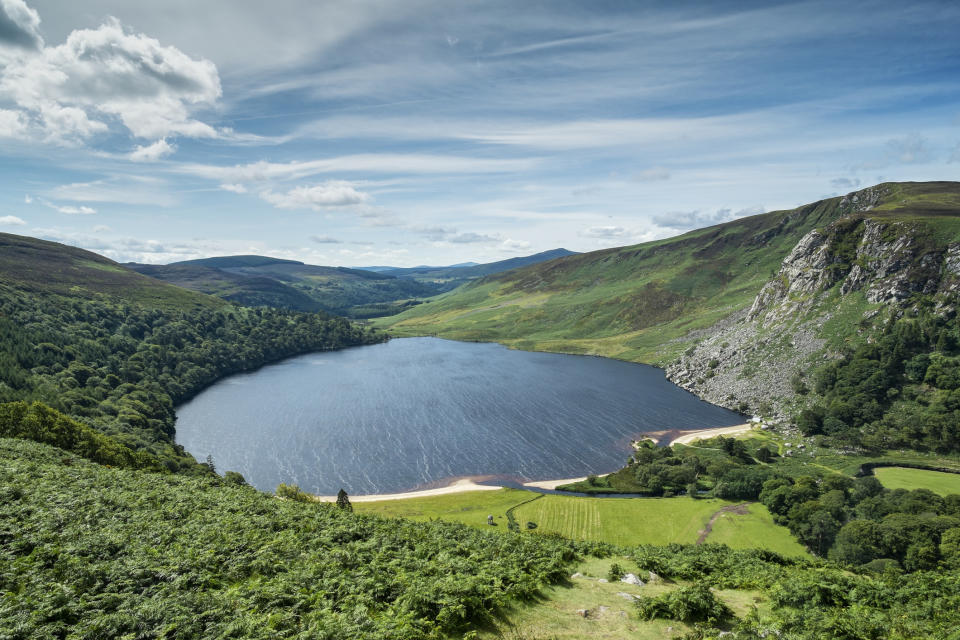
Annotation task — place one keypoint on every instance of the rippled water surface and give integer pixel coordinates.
(415, 411)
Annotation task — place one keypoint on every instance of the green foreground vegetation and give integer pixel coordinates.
(92, 552)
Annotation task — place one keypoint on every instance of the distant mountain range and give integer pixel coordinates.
(264, 281)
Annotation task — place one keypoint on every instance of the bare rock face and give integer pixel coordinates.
(750, 359)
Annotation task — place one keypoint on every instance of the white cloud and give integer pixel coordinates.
(11, 220)
(13, 124)
(605, 232)
(683, 220)
(151, 153)
(234, 188)
(449, 234)
(72, 210)
(27, 199)
(124, 189)
(334, 193)
(101, 228)
(19, 26)
(373, 163)
(107, 71)
(845, 184)
(514, 246)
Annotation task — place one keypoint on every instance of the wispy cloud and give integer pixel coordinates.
(683, 220)
(153, 152)
(331, 194)
(11, 220)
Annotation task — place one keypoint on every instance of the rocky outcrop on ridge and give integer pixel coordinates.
(752, 360)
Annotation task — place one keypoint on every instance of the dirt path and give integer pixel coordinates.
(738, 509)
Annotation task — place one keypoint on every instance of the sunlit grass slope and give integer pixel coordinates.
(633, 302)
(754, 530)
(910, 479)
(619, 521)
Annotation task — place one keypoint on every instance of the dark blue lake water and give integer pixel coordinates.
(418, 411)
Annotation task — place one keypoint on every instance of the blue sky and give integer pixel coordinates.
(420, 132)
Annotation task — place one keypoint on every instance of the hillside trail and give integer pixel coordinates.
(737, 509)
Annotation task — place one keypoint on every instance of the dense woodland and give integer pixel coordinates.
(900, 390)
(122, 367)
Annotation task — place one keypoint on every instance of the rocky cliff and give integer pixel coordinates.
(838, 281)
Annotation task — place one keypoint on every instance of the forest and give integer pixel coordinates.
(901, 390)
(121, 367)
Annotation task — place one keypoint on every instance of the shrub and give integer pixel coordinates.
(291, 492)
(616, 572)
(694, 603)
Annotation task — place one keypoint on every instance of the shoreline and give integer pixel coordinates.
(457, 486)
(464, 485)
(713, 433)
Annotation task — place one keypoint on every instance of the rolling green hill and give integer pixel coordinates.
(250, 291)
(38, 265)
(733, 311)
(455, 275)
(289, 284)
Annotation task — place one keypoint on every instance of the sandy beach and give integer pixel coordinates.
(552, 484)
(467, 484)
(460, 486)
(713, 433)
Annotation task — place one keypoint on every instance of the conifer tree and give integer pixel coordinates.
(343, 501)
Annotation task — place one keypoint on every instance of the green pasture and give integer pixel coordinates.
(904, 478)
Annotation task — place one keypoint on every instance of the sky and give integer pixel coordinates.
(433, 132)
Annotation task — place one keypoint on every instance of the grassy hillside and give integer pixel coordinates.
(249, 291)
(451, 277)
(645, 302)
(38, 265)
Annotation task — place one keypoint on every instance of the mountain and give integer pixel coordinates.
(250, 291)
(42, 266)
(734, 312)
(263, 281)
(455, 275)
(289, 284)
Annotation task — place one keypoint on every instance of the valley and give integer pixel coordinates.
(835, 322)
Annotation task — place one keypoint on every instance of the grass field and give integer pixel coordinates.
(622, 521)
(904, 478)
(754, 529)
(470, 508)
(611, 616)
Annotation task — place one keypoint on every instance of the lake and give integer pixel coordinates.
(416, 412)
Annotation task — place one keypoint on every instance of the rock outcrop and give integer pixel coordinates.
(753, 358)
